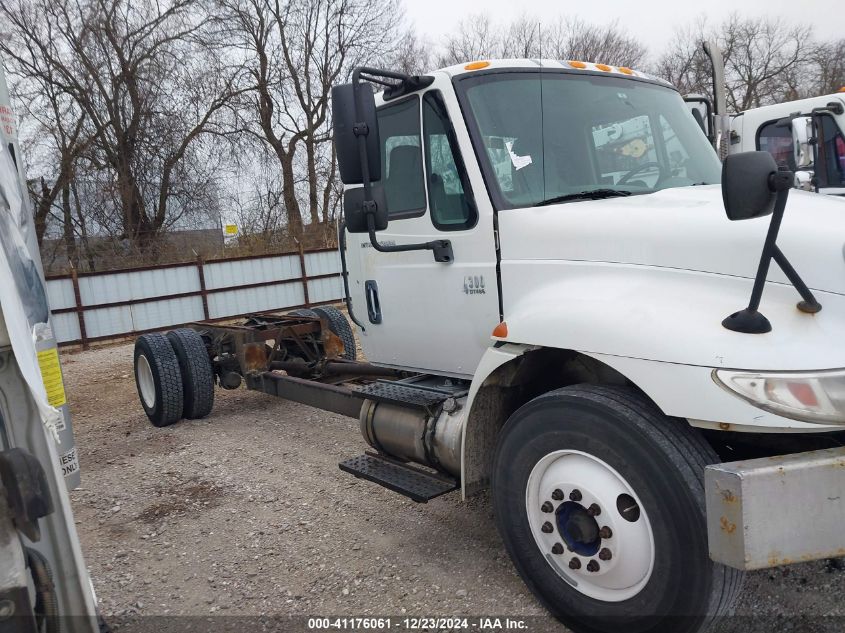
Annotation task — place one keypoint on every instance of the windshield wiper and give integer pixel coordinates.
(595, 194)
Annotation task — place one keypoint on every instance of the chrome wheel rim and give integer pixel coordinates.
(590, 525)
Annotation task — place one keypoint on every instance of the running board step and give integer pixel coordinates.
(413, 482)
(404, 395)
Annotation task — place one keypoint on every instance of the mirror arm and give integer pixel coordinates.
(749, 320)
(442, 248)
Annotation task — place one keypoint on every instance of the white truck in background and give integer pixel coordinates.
(806, 135)
(44, 585)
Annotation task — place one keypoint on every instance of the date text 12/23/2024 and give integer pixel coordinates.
(482, 624)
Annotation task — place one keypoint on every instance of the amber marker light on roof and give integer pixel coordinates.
(625, 70)
(577, 64)
(476, 65)
(501, 330)
(604, 67)
(842, 89)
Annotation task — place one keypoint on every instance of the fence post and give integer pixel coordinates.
(304, 275)
(80, 310)
(203, 290)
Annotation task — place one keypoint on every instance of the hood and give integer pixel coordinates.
(683, 228)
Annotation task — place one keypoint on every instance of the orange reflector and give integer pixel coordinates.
(603, 67)
(501, 330)
(842, 89)
(803, 393)
(577, 64)
(627, 71)
(476, 65)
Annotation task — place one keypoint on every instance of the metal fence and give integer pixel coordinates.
(90, 307)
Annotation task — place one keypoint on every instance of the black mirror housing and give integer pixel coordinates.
(344, 132)
(355, 211)
(747, 190)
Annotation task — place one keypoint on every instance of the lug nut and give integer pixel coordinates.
(548, 528)
(605, 554)
(605, 532)
(594, 510)
(575, 563)
(575, 495)
(547, 506)
(557, 548)
(593, 566)
(557, 495)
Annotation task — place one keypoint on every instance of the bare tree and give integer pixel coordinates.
(296, 52)
(574, 38)
(477, 37)
(148, 84)
(760, 55)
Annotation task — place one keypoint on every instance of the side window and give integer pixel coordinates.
(451, 206)
(401, 156)
(777, 140)
(832, 151)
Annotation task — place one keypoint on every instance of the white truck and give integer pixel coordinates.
(44, 585)
(805, 135)
(550, 272)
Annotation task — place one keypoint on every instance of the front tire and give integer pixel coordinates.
(599, 498)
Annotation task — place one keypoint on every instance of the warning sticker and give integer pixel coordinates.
(69, 462)
(7, 120)
(51, 374)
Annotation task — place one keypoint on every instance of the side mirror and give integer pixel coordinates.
(347, 127)
(753, 186)
(702, 111)
(746, 191)
(802, 132)
(356, 208)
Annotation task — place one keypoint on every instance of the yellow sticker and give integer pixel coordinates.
(51, 374)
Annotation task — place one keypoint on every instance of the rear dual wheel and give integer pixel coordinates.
(338, 325)
(174, 376)
(599, 499)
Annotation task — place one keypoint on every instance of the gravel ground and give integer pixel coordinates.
(246, 512)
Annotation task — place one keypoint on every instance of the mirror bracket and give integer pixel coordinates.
(750, 320)
(442, 248)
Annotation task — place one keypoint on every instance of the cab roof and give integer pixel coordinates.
(552, 64)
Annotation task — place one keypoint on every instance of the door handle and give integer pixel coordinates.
(373, 305)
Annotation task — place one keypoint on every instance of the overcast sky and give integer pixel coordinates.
(652, 21)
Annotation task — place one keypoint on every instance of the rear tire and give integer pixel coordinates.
(341, 328)
(639, 565)
(197, 372)
(158, 379)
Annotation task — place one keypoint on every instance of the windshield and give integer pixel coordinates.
(572, 134)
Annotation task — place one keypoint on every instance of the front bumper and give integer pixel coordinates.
(777, 510)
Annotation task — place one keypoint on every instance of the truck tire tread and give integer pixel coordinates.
(197, 372)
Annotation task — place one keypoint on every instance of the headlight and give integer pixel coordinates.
(817, 397)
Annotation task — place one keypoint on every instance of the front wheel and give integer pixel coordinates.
(599, 499)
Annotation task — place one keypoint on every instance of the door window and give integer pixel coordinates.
(401, 156)
(451, 207)
(777, 140)
(832, 152)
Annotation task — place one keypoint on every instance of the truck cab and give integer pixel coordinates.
(806, 135)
